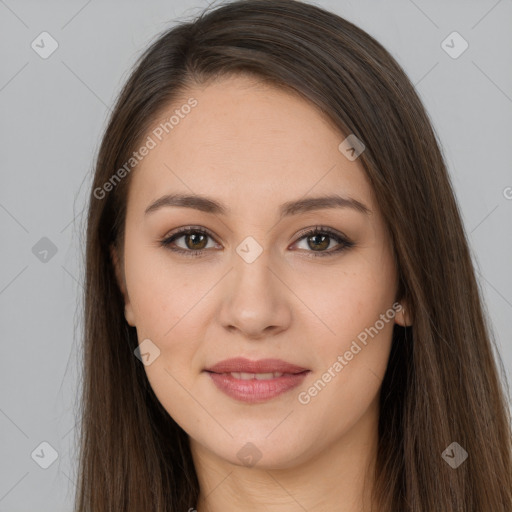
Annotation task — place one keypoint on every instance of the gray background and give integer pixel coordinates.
(52, 115)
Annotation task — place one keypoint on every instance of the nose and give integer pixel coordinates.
(255, 302)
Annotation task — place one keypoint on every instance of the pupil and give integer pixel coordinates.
(194, 240)
(323, 244)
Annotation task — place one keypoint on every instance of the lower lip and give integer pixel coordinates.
(256, 390)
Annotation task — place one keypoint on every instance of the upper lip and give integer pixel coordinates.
(242, 365)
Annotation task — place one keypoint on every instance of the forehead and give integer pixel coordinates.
(245, 138)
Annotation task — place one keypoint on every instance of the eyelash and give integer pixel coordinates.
(323, 230)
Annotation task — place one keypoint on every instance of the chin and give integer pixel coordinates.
(262, 453)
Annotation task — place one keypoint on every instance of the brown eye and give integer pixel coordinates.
(195, 240)
(318, 242)
(194, 243)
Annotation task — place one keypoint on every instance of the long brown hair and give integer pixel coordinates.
(442, 384)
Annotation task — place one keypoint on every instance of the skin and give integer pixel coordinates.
(287, 304)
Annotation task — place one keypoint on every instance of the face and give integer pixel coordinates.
(249, 279)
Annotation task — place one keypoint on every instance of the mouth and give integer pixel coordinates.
(260, 367)
(256, 381)
(255, 376)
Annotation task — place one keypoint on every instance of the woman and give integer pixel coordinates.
(281, 311)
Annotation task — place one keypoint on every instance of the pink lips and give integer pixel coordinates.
(240, 364)
(255, 390)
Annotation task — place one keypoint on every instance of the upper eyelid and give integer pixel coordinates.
(186, 230)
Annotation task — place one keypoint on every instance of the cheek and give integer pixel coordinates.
(161, 293)
(349, 376)
(166, 310)
(166, 301)
(345, 302)
(353, 356)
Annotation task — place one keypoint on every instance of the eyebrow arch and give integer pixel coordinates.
(287, 209)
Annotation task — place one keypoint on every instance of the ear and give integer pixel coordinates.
(403, 315)
(128, 310)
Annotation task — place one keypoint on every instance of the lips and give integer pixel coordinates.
(255, 381)
(242, 365)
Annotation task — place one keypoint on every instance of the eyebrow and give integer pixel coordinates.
(209, 205)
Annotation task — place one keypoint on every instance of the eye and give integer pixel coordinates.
(195, 241)
(319, 239)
